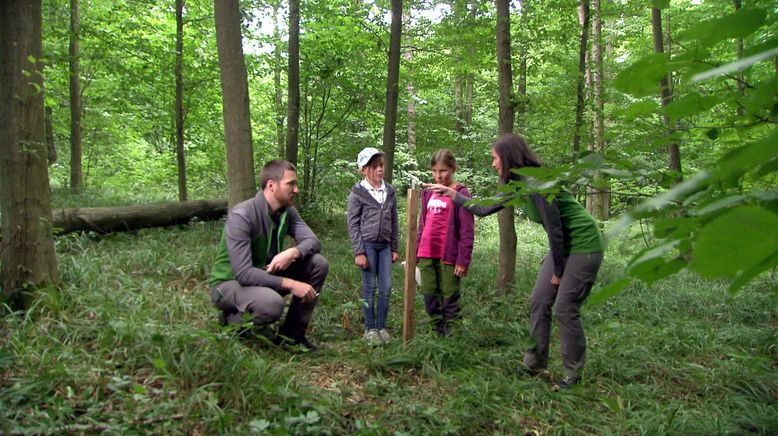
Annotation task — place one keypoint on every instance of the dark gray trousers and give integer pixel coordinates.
(266, 305)
(577, 280)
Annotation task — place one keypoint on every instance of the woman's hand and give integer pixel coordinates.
(440, 189)
(460, 271)
(555, 281)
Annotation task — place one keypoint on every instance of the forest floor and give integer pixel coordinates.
(130, 343)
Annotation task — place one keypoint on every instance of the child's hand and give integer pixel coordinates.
(440, 189)
(361, 261)
(460, 271)
(395, 256)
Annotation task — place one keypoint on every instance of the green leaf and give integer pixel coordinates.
(602, 294)
(640, 109)
(741, 160)
(746, 276)
(642, 78)
(692, 103)
(739, 24)
(736, 241)
(734, 67)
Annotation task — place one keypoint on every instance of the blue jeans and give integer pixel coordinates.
(379, 264)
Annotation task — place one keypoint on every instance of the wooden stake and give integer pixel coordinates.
(410, 264)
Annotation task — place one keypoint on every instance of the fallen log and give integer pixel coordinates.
(123, 218)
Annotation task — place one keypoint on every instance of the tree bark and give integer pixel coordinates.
(598, 200)
(180, 157)
(124, 218)
(76, 175)
(674, 153)
(507, 267)
(235, 102)
(293, 82)
(392, 90)
(583, 18)
(27, 255)
(278, 92)
(50, 146)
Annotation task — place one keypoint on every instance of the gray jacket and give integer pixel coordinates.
(369, 221)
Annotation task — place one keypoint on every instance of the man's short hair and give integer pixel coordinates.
(274, 170)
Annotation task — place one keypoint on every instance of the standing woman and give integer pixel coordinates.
(568, 271)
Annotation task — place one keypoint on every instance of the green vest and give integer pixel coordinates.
(581, 234)
(260, 249)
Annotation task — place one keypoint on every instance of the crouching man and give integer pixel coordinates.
(252, 272)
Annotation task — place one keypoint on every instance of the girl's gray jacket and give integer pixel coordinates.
(369, 221)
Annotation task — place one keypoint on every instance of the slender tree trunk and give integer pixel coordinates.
(181, 158)
(583, 18)
(598, 200)
(27, 255)
(76, 182)
(458, 100)
(293, 81)
(411, 109)
(235, 102)
(279, 97)
(50, 146)
(392, 90)
(667, 97)
(470, 76)
(507, 268)
(521, 89)
(741, 86)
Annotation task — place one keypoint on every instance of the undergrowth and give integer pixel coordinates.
(129, 343)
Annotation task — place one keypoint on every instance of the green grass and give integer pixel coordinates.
(130, 344)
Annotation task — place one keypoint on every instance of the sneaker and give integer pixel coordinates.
(384, 335)
(566, 383)
(372, 337)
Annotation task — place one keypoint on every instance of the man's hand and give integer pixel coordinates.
(555, 281)
(282, 260)
(460, 271)
(361, 261)
(302, 290)
(395, 256)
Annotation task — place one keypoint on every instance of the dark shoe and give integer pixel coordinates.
(566, 383)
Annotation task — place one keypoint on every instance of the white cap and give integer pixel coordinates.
(366, 154)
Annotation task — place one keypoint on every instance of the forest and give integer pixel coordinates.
(129, 128)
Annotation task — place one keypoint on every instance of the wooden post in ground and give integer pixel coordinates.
(410, 264)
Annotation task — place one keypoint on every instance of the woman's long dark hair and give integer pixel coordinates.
(514, 153)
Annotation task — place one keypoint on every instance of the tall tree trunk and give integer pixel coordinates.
(50, 147)
(279, 97)
(181, 158)
(741, 85)
(293, 81)
(470, 76)
(598, 200)
(76, 181)
(521, 89)
(392, 90)
(583, 18)
(235, 102)
(673, 151)
(411, 109)
(27, 249)
(507, 267)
